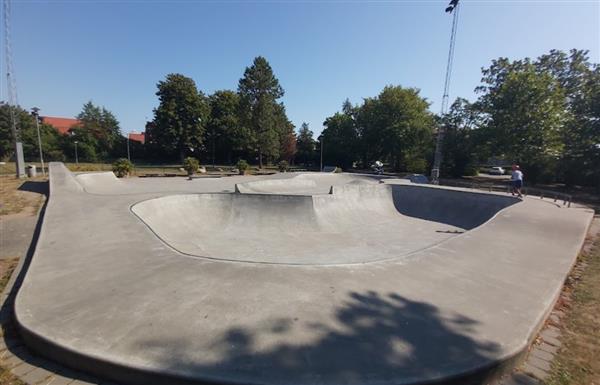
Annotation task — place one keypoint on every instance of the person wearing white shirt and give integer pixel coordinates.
(516, 180)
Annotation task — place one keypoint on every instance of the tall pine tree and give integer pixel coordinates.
(259, 90)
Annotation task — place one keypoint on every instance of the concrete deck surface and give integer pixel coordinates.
(104, 294)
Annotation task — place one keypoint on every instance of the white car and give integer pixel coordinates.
(496, 171)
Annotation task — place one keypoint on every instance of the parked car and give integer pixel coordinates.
(496, 170)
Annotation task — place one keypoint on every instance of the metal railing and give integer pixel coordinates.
(566, 199)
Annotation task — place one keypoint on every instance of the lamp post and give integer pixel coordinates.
(76, 157)
(36, 115)
(322, 141)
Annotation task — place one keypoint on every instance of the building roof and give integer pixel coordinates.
(62, 125)
(141, 137)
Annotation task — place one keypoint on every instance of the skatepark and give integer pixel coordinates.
(304, 278)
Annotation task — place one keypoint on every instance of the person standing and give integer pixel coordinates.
(516, 179)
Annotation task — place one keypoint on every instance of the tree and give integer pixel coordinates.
(180, 119)
(305, 145)
(460, 140)
(341, 136)
(99, 133)
(579, 80)
(52, 142)
(224, 133)
(259, 90)
(525, 115)
(287, 134)
(397, 127)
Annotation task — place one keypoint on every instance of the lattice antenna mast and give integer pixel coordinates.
(437, 161)
(11, 85)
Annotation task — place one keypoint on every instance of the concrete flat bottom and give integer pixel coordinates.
(357, 224)
(105, 294)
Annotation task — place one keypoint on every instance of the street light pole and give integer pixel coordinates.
(36, 115)
(128, 154)
(76, 157)
(322, 141)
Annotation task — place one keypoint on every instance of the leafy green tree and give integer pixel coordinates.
(224, 133)
(99, 133)
(525, 115)
(180, 119)
(52, 142)
(286, 134)
(259, 90)
(341, 137)
(305, 145)
(461, 140)
(579, 80)
(397, 127)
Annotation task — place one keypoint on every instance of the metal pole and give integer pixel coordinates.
(36, 115)
(128, 154)
(437, 161)
(76, 157)
(322, 141)
(13, 100)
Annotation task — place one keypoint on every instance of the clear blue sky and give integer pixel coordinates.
(114, 52)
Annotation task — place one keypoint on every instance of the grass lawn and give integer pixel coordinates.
(578, 360)
(15, 197)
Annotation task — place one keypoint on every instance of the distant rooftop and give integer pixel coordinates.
(62, 125)
(141, 137)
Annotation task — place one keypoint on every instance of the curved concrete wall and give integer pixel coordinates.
(464, 209)
(355, 223)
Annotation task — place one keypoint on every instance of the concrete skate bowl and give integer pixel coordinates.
(361, 221)
(415, 284)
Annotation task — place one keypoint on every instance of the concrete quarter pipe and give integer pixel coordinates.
(312, 279)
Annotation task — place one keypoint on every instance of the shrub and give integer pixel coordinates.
(283, 166)
(191, 165)
(242, 166)
(416, 165)
(122, 167)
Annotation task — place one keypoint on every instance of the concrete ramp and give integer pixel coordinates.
(356, 223)
(302, 184)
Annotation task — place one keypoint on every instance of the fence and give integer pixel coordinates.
(566, 199)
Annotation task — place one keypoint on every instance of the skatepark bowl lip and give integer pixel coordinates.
(103, 294)
(168, 216)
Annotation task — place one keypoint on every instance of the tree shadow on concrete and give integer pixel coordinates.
(377, 338)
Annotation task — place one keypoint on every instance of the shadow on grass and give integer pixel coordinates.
(38, 187)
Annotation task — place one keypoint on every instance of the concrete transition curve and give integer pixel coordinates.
(291, 279)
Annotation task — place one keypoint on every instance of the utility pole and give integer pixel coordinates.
(13, 101)
(36, 115)
(453, 8)
(322, 141)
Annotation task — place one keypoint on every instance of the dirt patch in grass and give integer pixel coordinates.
(7, 266)
(578, 360)
(21, 196)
